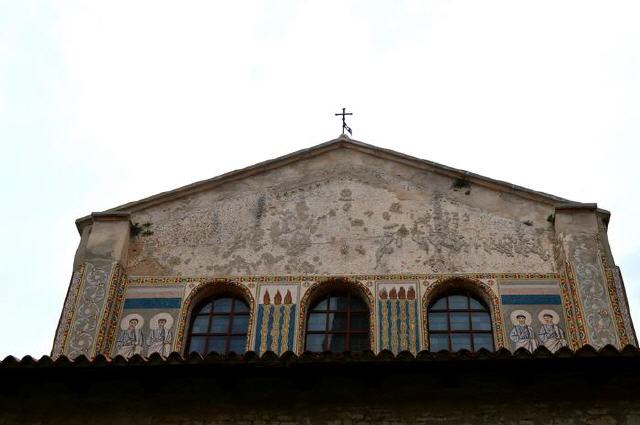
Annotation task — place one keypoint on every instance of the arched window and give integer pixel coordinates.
(338, 322)
(459, 321)
(219, 324)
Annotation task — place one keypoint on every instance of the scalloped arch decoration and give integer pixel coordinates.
(317, 288)
(485, 291)
(211, 288)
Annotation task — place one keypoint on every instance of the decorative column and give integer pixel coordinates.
(596, 303)
(96, 287)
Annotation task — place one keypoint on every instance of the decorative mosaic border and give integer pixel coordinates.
(89, 311)
(68, 312)
(107, 312)
(150, 280)
(354, 283)
(194, 297)
(571, 303)
(118, 286)
(624, 305)
(496, 311)
(312, 282)
(615, 304)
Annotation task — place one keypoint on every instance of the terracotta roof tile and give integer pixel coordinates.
(270, 358)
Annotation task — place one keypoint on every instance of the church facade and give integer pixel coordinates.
(344, 247)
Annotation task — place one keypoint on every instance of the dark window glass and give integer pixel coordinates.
(220, 325)
(438, 342)
(458, 302)
(197, 343)
(460, 341)
(438, 321)
(482, 341)
(222, 305)
(457, 322)
(315, 342)
(441, 304)
(317, 322)
(338, 322)
(200, 324)
(480, 321)
(360, 321)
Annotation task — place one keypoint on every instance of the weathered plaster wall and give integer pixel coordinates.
(343, 212)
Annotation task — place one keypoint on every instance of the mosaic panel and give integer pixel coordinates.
(147, 322)
(276, 318)
(89, 310)
(398, 322)
(617, 276)
(534, 315)
(66, 317)
(616, 303)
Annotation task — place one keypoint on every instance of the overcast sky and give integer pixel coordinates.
(106, 102)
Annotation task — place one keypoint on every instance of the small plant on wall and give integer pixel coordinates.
(461, 183)
(143, 229)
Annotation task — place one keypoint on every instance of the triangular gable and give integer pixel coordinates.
(342, 142)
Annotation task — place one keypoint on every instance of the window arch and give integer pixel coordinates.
(338, 321)
(459, 321)
(219, 323)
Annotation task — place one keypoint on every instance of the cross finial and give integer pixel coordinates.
(345, 127)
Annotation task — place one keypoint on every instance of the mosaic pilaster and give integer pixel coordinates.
(276, 319)
(594, 295)
(66, 317)
(572, 305)
(624, 306)
(616, 303)
(398, 320)
(117, 287)
(90, 310)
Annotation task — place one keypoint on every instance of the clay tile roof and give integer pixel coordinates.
(271, 359)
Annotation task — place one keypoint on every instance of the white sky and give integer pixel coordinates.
(106, 102)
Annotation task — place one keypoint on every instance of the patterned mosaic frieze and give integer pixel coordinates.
(151, 280)
(527, 310)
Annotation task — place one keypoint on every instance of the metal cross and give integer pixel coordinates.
(345, 127)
